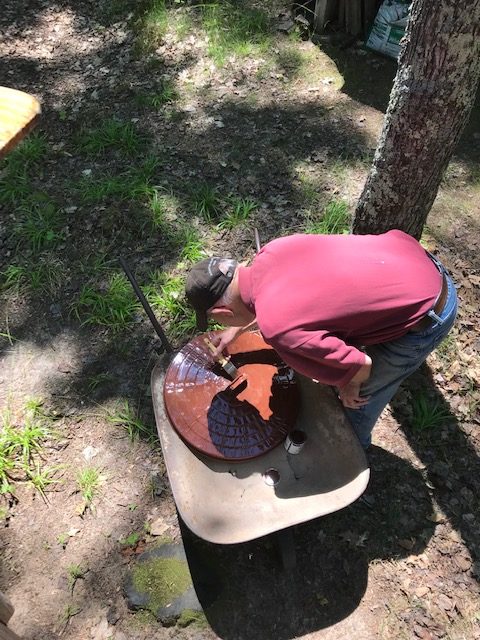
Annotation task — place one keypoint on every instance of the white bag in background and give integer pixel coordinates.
(389, 28)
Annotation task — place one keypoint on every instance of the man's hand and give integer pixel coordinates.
(350, 396)
(224, 338)
(350, 393)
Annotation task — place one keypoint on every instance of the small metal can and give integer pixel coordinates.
(294, 441)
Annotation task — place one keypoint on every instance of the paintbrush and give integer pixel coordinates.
(227, 366)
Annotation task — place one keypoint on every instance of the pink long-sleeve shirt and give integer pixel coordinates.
(319, 298)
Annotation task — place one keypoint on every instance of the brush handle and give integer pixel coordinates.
(213, 349)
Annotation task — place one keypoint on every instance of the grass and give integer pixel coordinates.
(131, 540)
(427, 413)
(132, 184)
(15, 185)
(30, 151)
(68, 613)
(42, 478)
(127, 417)
(110, 304)
(335, 219)
(234, 29)
(165, 293)
(162, 207)
(40, 224)
(21, 446)
(447, 349)
(111, 134)
(45, 275)
(241, 208)
(166, 94)
(89, 481)
(75, 572)
(152, 25)
(62, 539)
(98, 380)
(205, 202)
(290, 61)
(192, 247)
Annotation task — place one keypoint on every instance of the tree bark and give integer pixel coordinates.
(431, 99)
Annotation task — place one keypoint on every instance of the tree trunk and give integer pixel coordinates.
(431, 99)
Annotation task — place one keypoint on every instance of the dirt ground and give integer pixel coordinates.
(293, 129)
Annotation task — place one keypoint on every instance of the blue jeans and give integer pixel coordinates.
(394, 361)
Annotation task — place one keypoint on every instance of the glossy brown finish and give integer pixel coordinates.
(229, 420)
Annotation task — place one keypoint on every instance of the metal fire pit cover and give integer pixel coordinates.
(231, 420)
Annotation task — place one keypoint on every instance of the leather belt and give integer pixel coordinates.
(426, 322)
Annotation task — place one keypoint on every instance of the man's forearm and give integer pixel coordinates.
(363, 373)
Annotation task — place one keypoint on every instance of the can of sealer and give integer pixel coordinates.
(294, 441)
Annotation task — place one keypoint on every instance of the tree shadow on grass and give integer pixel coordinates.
(451, 462)
(246, 594)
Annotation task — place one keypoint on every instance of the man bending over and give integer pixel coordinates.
(358, 312)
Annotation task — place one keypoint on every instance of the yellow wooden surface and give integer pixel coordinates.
(18, 111)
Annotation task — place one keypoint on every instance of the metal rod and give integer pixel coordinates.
(148, 309)
(257, 239)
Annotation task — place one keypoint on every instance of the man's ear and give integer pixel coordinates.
(216, 312)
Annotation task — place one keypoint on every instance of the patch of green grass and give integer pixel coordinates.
(335, 219)
(162, 206)
(127, 417)
(98, 380)
(42, 478)
(192, 247)
(111, 304)
(427, 413)
(291, 61)
(447, 349)
(21, 446)
(152, 25)
(110, 134)
(166, 94)
(205, 201)
(165, 293)
(132, 184)
(39, 224)
(240, 211)
(75, 572)
(62, 539)
(89, 481)
(131, 540)
(234, 29)
(69, 611)
(4, 514)
(30, 151)
(15, 184)
(14, 277)
(45, 275)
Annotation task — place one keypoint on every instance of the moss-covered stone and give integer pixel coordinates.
(189, 617)
(161, 580)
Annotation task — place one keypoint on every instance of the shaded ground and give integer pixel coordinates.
(292, 128)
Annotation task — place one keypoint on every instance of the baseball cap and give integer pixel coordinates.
(206, 283)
